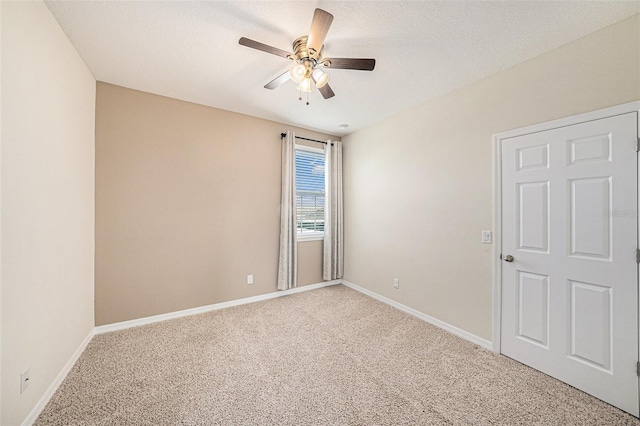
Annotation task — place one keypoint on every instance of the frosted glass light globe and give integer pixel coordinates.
(297, 72)
(321, 78)
(305, 85)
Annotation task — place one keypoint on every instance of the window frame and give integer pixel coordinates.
(315, 236)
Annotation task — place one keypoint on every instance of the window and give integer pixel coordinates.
(310, 192)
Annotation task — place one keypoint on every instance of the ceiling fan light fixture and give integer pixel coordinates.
(320, 77)
(305, 85)
(308, 58)
(298, 72)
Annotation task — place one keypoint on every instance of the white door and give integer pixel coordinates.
(570, 283)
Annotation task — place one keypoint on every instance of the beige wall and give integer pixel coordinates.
(418, 186)
(187, 205)
(47, 212)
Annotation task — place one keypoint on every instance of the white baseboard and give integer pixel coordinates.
(53, 387)
(424, 317)
(44, 400)
(33, 415)
(202, 309)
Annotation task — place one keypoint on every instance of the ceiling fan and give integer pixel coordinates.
(309, 63)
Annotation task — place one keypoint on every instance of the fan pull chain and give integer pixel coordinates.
(300, 96)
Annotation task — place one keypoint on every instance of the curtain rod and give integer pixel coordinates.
(282, 135)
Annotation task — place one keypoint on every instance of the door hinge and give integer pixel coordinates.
(638, 368)
(637, 255)
(638, 144)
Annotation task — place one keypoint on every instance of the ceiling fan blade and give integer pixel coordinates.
(326, 92)
(319, 29)
(282, 78)
(351, 63)
(264, 47)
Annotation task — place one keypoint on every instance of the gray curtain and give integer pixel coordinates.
(333, 259)
(287, 264)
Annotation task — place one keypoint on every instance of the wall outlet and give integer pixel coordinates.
(249, 279)
(486, 237)
(25, 378)
(396, 283)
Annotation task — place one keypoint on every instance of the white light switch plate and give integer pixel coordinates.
(25, 378)
(486, 237)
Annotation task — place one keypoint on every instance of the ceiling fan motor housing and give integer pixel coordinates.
(302, 53)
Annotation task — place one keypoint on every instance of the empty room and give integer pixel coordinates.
(319, 212)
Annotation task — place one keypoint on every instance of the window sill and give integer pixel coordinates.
(313, 237)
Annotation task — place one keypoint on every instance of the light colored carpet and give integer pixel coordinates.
(329, 356)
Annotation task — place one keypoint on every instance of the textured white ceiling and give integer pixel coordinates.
(189, 50)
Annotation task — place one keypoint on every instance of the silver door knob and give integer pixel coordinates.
(508, 258)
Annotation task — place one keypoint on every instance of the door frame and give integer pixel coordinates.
(497, 196)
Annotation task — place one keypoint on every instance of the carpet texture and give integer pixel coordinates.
(330, 356)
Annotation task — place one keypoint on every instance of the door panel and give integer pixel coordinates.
(590, 235)
(533, 216)
(533, 308)
(533, 157)
(590, 149)
(569, 219)
(591, 334)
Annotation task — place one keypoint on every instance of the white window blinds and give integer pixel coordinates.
(310, 200)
